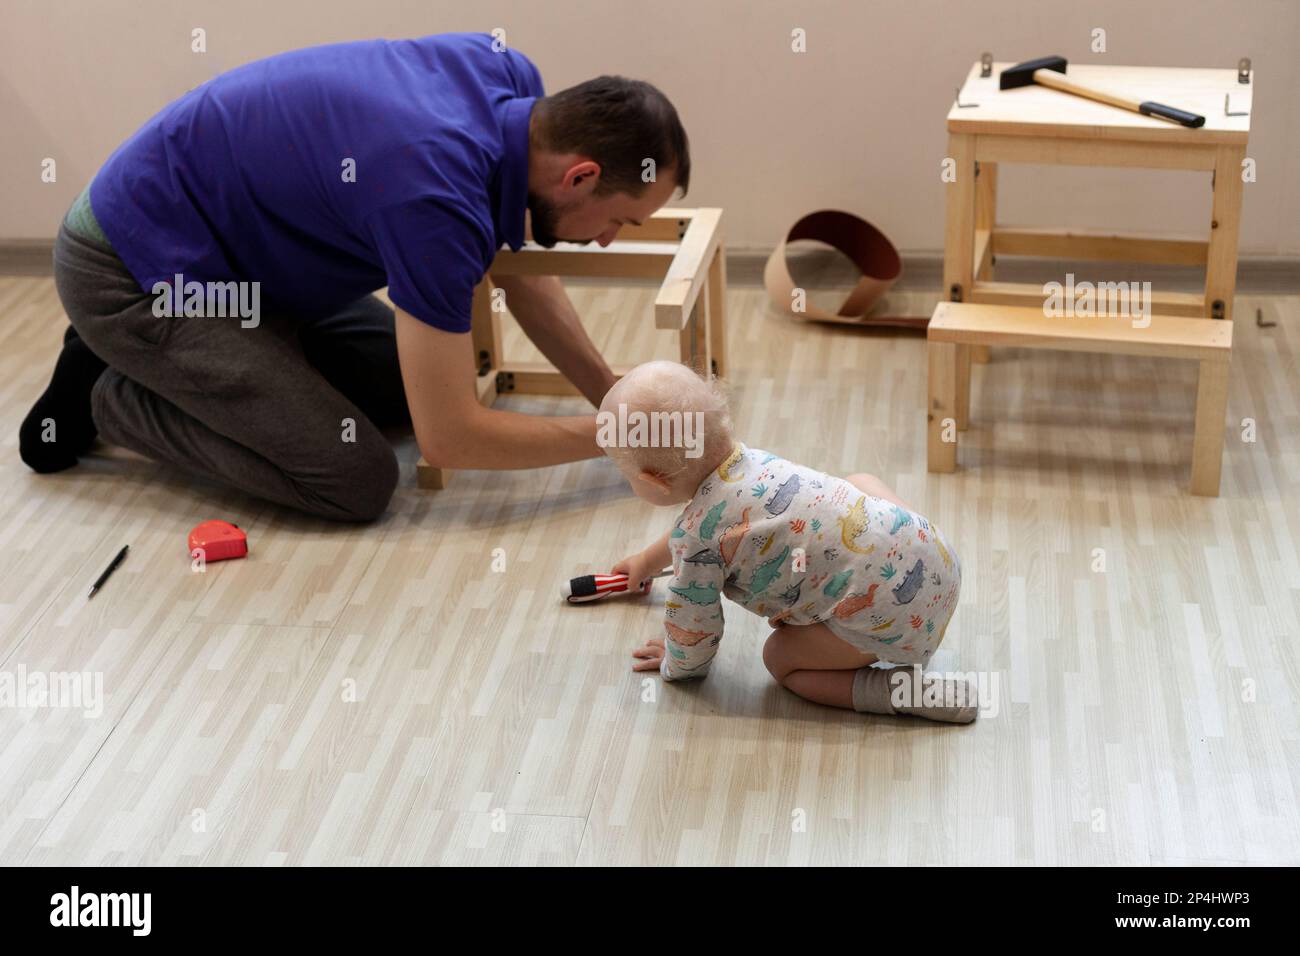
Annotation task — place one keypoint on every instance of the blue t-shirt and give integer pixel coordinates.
(247, 176)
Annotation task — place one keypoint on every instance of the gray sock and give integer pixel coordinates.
(906, 691)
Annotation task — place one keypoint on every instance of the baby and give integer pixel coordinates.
(847, 573)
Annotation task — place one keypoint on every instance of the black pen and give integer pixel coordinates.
(99, 582)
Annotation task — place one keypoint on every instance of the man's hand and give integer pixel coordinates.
(454, 431)
(650, 656)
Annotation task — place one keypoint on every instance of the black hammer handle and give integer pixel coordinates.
(1147, 108)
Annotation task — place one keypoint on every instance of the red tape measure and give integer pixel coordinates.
(218, 541)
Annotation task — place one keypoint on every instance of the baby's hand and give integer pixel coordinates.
(649, 657)
(640, 576)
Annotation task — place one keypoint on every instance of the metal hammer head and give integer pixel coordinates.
(1022, 74)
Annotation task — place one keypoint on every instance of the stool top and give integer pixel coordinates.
(1040, 111)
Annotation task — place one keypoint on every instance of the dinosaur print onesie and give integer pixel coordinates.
(801, 547)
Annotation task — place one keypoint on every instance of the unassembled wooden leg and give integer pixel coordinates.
(941, 412)
(963, 385)
(1207, 444)
(717, 293)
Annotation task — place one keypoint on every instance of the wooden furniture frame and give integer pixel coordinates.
(1036, 125)
(682, 247)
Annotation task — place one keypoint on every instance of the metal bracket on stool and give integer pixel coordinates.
(1243, 70)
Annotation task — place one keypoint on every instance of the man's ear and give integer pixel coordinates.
(582, 177)
(652, 478)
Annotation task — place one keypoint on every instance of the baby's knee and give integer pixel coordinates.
(871, 485)
(777, 658)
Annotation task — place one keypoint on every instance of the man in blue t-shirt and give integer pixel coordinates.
(218, 272)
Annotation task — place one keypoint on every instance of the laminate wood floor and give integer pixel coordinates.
(380, 694)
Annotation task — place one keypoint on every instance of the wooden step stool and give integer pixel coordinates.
(989, 127)
(682, 247)
(956, 325)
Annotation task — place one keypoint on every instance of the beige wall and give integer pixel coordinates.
(856, 122)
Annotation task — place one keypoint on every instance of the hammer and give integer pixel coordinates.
(1050, 71)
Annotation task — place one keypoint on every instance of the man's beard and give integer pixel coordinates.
(544, 219)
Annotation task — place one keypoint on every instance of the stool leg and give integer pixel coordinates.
(693, 340)
(964, 356)
(717, 293)
(703, 333)
(430, 478)
(959, 221)
(1207, 444)
(485, 328)
(941, 411)
(959, 258)
(986, 216)
(1225, 223)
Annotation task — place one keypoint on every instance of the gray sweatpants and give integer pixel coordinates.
(288, 411)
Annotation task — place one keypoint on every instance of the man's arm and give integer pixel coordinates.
(454, 431)
(543, 310)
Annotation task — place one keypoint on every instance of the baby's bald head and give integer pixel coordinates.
(664, 424)
(654, 386)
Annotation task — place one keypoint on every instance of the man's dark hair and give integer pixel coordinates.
(618, 123)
